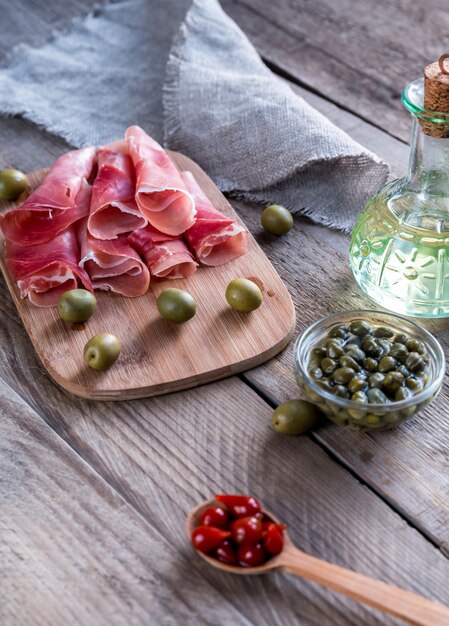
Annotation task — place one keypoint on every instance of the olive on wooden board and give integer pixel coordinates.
(296, 417)
(276, 220)
(76, 305)
(176, 305)
(102, 351)
(243, 295)
(12, 184)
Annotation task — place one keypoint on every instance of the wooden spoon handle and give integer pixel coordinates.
(403, 604)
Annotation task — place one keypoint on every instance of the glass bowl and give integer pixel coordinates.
(357, 415)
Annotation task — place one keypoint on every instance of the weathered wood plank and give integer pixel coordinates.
(73, 552)
(166, 454)
(359, 55)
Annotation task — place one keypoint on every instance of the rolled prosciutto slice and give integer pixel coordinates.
(113, 210)
(214, 238)
(166, 256)
(45, 271)
(113, 265)
(160, 191)
(59, 201)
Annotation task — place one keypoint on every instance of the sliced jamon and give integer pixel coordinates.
(160, 192)
(113, 210)
(45, 271)
(113, 265)
(166, 256)
(214, 238)
(59, 201)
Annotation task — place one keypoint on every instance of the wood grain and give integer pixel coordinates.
(73, 552)
(359, 56)
(158, 357)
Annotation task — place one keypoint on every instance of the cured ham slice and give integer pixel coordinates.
(113, 209)
(45, 271)
(113, 265)
(214, 238)
(59, 201)
(160, 191)
(166, 256)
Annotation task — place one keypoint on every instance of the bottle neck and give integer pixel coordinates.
(429, 163)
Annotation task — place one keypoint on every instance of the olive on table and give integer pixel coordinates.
(76, 305)
(12, 184)
(276, 220)
(176, 305)
(243, 295)
(296, 417)
(102, 351)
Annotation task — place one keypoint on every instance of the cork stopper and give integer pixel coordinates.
(436, 96)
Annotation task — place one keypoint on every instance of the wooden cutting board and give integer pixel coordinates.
(157, 356)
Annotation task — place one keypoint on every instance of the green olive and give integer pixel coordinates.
(296, 417)
(77, 305)
(176, 305)
(243, 295)
(276, 220)
(102, 351)
(12, 184)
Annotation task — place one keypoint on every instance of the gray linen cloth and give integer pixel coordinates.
(187, 74)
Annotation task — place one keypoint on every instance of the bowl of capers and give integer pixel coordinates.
(368, 369)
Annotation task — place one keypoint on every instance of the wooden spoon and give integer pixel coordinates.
(406, 605)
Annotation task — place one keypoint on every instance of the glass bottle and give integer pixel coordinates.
(399, 250)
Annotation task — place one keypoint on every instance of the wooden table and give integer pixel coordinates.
(93, 496)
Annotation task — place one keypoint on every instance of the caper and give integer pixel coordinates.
(102, 351)
(358, 383)
(385, 344)
(328, 365)
(276, 220)
(325, 384)
(353, 341)
(356, 353)
(319, 352)
(415, 384)
(403, 393)
(316, 373)
(383, 331)
(376, 380)
(400, 338)
(414, 362)
(343, 375)
(386, 364)
(392, 382)
(424, 377)
(376, 396)
(334, 349)
(399, 352)
(371, 348)
(415, 345)
(340, 391)
(242, 295)
(359, 396)
(347, 361)
(360, 328)
(176, 305)
(403, 370)
(12, 184)
(76, 305)
(340, 331)
(296, 417)
(370, 364)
